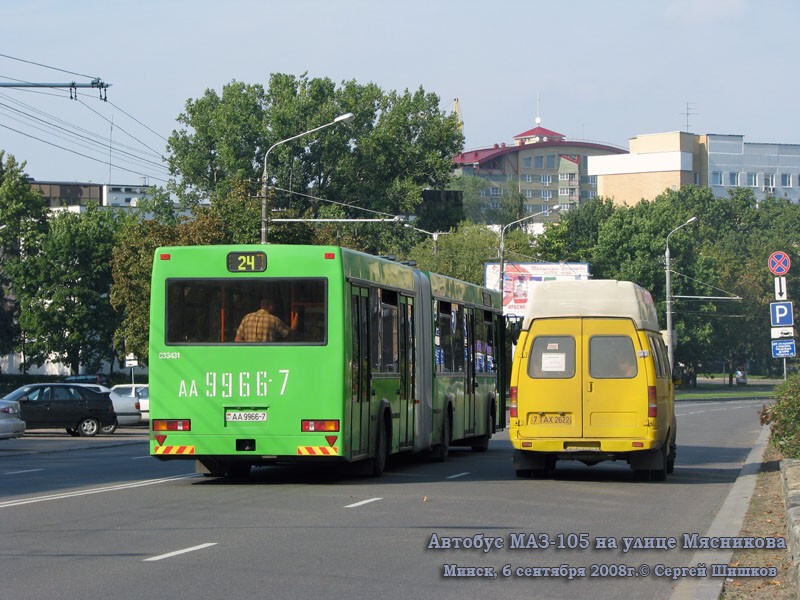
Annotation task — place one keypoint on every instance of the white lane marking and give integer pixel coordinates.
(25, 471)
(710, 410)
(363, 502)
(140, 457)
(101, 490)
(457, 475)
(178, 552)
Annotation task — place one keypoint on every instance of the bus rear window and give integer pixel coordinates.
(246, 311)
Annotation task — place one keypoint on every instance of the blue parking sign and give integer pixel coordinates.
(781, 314)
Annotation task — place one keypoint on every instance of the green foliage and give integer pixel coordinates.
(62, 286)
(783, 417)
(23, 216)
(398, 145)
(461, 254)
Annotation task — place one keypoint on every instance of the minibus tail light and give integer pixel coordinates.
(512, 410)
(652, 402)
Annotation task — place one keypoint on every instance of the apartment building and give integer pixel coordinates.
(75, 197)
(543, 165)
(663, 161)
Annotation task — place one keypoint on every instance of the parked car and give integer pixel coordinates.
(77, 409)
(99, 378)
(139, 394)
(124, 407)
(11, 426)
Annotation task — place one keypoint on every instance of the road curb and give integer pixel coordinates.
(727, 523)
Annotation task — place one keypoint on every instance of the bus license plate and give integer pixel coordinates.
(244, 416)
(551, 419)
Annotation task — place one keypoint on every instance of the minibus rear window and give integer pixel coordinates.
(552, 357)
(612, 357)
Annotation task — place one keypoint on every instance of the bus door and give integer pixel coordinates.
(406, 368)
(470, 384)
(360, 395)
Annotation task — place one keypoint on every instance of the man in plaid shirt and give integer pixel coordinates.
(263, 326)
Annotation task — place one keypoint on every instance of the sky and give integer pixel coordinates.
(601, 71)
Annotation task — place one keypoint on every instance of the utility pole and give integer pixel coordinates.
(95, 83)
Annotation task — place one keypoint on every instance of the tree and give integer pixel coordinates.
(397, 145)
(462, 254)
(23, 218)
(63, 291)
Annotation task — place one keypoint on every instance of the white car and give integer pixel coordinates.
(138, 393)
(11, 426)
(124, 407)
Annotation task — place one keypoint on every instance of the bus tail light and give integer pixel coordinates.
(652, 402)
(319, 425)
(512, 411)
(172, 425)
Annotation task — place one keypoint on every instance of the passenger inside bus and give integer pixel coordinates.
(263, 326)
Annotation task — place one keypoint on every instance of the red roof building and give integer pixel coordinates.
(543, 165)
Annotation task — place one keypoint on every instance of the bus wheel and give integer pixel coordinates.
(442, 449)
(378, 465)
(482, 443)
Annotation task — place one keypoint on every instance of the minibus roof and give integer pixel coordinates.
(591, 298)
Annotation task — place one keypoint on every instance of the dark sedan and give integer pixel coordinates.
(79, 410)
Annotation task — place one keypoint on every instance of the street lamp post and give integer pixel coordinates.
(503, 242)
(670, 351)
(345, 118)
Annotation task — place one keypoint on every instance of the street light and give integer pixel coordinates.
(669, 292)
(434, 234)
(345, 118)
(503, 243)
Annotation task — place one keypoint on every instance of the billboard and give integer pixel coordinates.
(518, 276)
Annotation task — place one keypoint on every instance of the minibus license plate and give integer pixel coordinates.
(244, 416)
(551, 419)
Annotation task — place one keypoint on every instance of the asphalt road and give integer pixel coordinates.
(98, 518)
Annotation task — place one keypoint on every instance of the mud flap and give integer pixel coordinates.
(645, 460)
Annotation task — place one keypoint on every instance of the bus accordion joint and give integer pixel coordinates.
(172, 425)
(319, 425)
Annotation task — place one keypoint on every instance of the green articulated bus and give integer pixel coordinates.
(273, 354)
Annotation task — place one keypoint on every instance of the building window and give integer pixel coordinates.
(563, 176)
(494, 192)
(769, 180)
(716, 178)
(529, 193)
(733, 179)
(563, 191)
(752, 179)
(539, 162)
(546, 194)
(546, 179)
(591, 195)
(786, 180)
(551, 161)
(526, 162)
(527, 178)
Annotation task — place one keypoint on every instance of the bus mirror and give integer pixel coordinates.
(515, 328)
